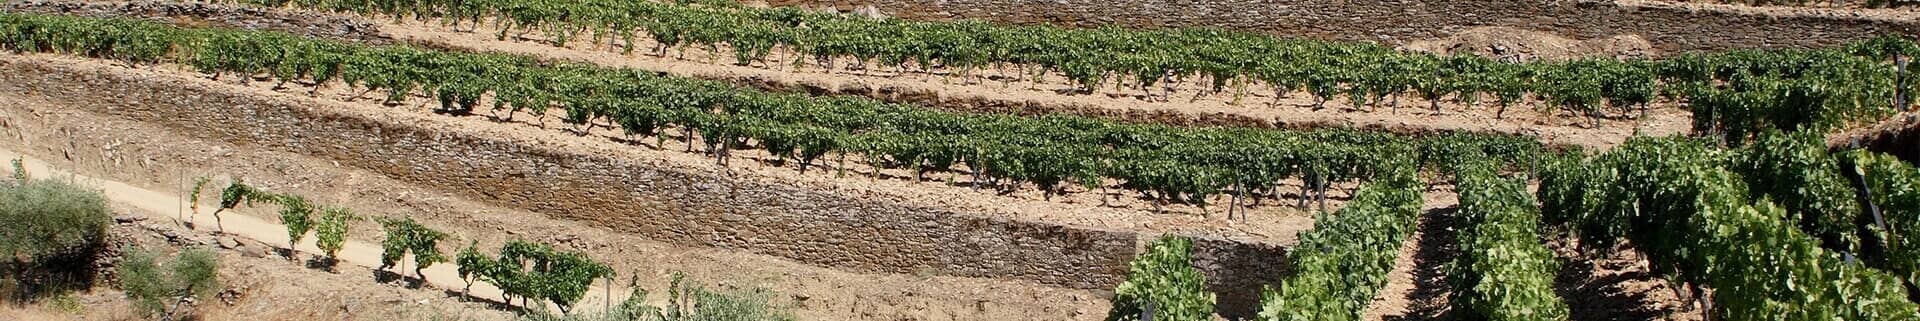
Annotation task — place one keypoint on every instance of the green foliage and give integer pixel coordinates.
(1694, 220)
(158, 290)
(1338, 267)
(193, 195)
(46, 218)
(1895, 189)
(535, 271)
(689, 301)
(473, 265)
(1732, 93)
(1164, 279)
(295, 212)
(1504, 272)
(297, 215)
(1174, 164)
(19, 172)
(406, 235)
(686, 302)
(330, 230)
(50, 234)
(1796, 172)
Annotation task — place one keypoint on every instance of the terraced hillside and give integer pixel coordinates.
(905, 170)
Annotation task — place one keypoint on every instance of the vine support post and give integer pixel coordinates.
(1900, 82)
(1865, 194)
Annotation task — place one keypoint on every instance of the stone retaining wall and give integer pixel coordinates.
(1670, 28)
(664, 203)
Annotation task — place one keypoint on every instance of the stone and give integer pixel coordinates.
(128, 218)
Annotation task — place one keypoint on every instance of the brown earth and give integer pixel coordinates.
(1511, 44)
(1898, 136)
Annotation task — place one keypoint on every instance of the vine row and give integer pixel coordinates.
(1696, 222)
(1340, 265)
(1731, 93)
(1163, 163)
(1504, 272)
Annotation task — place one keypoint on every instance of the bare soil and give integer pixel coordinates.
(1513, 44)
(1417, 287)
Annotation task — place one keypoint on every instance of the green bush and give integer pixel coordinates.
(46, 217)
(534, 271)
(406, 235)
(330, 230)
(1164, 278)
(50, 233)
(160, 290)
(686, 301)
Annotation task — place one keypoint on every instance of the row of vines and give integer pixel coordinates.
(1163, 163)
(1340, 265)
(524, 270)
(1702, 224)
(1504, 272)
(1732, 93)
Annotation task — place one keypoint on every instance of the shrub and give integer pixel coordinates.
(537, 271)
(686, 302)
(330, 231)
(50, 232)
(406, 235)
(159, 290)
(297, 214)
(1164, 280)
(473, 265)
(728, 305)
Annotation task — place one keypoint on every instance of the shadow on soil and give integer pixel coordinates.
(1431, 290)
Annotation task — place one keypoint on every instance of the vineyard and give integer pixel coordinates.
(1752, 215)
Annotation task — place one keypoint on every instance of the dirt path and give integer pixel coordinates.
(1417, 286)
(156, 206)
(1616, 286)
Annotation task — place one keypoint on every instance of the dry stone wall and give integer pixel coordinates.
(664, 203)
(1670, 28)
